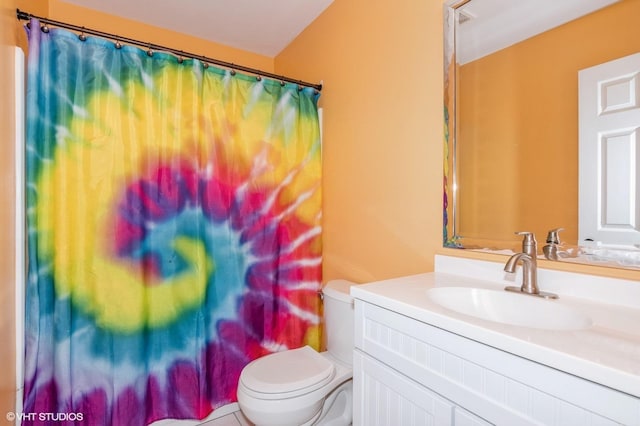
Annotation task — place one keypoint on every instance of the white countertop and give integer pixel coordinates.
(608, 352)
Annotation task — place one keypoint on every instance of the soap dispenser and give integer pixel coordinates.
(550, 250)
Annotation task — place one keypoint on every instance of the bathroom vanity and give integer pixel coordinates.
(448, 348)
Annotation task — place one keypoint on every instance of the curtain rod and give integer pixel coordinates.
(83, 30)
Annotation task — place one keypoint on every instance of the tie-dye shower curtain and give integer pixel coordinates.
(174, 230)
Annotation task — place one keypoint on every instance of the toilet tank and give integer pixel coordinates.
(338, 320)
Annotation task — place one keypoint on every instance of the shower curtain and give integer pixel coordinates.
(174, 232)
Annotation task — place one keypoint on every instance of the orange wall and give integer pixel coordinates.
(522, 104)
(381, 64)
(7, 135)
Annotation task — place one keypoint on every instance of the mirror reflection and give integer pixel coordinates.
(512, 97)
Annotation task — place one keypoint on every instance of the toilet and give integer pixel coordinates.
(301, 387)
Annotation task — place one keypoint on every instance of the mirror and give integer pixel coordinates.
(511, 114)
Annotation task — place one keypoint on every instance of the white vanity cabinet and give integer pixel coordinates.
(407, 372)
(386, 397)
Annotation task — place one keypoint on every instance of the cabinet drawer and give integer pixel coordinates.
(495, 385)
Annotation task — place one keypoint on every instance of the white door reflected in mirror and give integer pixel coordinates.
(609, 181)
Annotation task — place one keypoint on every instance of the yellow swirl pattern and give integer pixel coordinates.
(90, 168)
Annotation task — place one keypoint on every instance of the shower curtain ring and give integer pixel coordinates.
(232, 72)
(45, 28)
(82, 37)
(149, 51)
(180, 58)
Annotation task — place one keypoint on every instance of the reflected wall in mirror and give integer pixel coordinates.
(511, 112)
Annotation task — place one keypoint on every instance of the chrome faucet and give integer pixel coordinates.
(529, 261)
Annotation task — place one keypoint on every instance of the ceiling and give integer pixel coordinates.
(491, 25)
(265, 27)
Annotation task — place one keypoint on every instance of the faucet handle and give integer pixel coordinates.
(529, 237)
(552, 236)
(529, 243)
(523, 233)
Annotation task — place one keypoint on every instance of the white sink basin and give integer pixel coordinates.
(509, 308)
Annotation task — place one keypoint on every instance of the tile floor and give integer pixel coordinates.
(233, 419)
(229, 415)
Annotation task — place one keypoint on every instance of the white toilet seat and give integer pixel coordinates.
(287, 374)
(302, 387)
(298, 407)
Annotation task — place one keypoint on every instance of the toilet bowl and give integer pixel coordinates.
(301, 387)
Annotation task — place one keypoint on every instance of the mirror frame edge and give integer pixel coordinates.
(449, 234)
